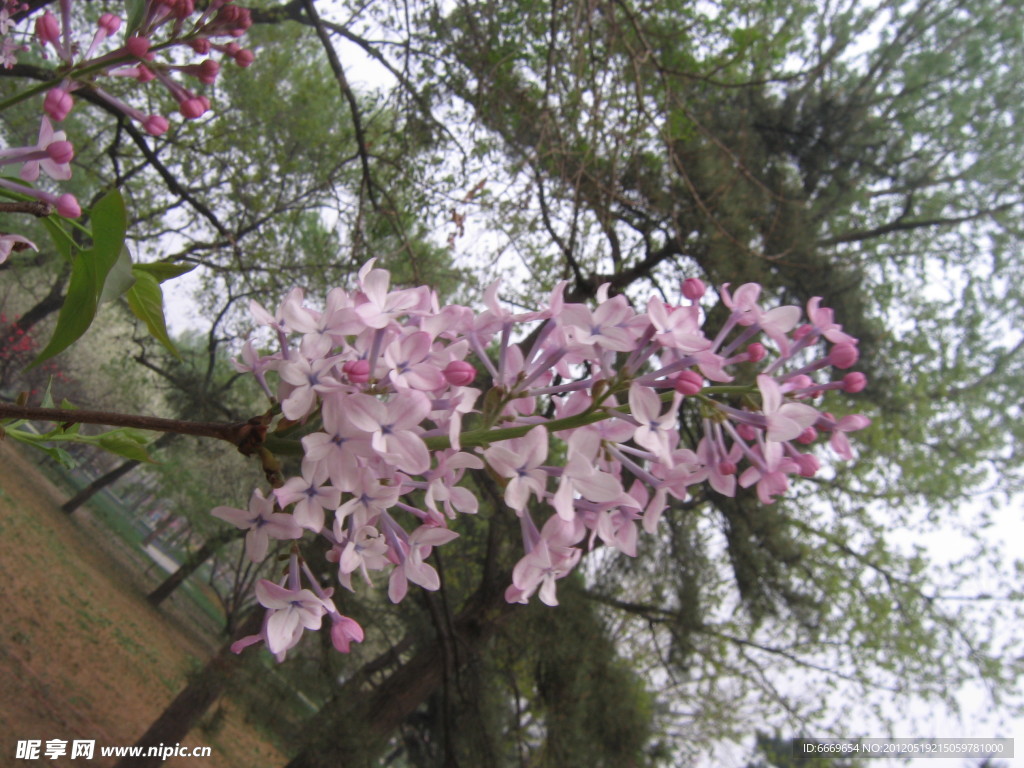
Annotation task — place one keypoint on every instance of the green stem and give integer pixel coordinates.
(485, 437)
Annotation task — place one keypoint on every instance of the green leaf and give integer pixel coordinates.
(62, 241)
(120, 278)
(109, 226)
(146, 300)
(79, 308)
(134, 9)
(164, 271)
(89, 272)
(59, 455)
(128, 443)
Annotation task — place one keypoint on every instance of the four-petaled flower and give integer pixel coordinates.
(262, 523)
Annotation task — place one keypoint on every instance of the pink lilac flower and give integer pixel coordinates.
(364, 550)
(412, 553)
(520, 462)
(9, 243)
(291, 612)
(308, 494)
(380, 379)
(262, 524)
(785, 420)
(392, 427)
(656, 431)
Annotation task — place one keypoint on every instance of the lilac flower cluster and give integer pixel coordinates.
(165, 25)
(382, 384)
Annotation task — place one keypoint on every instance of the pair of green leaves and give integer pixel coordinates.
(105, 272)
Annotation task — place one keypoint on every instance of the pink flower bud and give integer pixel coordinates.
(193, 108)
(60, 152)
(156, 125)
(208, 71)
(200, 45)
(843, 355)
(726, 468)
(459, 373)
(48, 30)
(746, 431)
(808, 436)
(181, 9)
(145, 74)
(854, 382)
(800, 381)
(688, 383)
(802, 331)
(693, 288)
(137, 46)
(358, 371)
(57, 104)
(755, 352)
(808, 463)
(67, 206)
(109, 23)
(244, 58)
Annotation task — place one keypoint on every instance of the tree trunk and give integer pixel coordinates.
(195, 699)
(112, 476)
(175, 580)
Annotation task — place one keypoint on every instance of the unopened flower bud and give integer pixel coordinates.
(156, 125)
(244, 58)
(60, 152)
(693, 288)
(200, 45)
(48, 30)
(843, 355)
(800, 381)
(57, 104)
(358, 371)
(726, 468)
(109, 23)
(181, 9)
(808, 463)
(802, 331)
(755, 352)
(854, 382)
(459, 373)
(746, 431)
(808, 436)
(208, 71)
(67, 206)
(194, 107)
(688, 383)
(137, 46)
(145, 74)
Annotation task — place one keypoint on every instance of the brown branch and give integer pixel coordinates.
(247, 436)
(35, 207)
(899, 225)
(348, 94)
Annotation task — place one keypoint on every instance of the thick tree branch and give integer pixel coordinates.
(247, 436)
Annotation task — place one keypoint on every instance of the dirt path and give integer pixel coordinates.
(82, 655)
